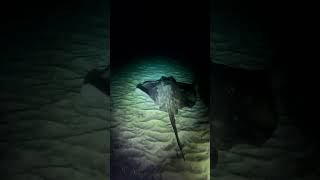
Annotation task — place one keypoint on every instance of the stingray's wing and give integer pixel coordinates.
(99, 79)
(150, 88)
(183, 93)
(187, 94)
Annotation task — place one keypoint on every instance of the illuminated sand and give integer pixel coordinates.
(143, 135)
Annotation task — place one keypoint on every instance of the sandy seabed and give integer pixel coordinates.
(143, 141)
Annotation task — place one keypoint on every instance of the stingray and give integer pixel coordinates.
(170, 96)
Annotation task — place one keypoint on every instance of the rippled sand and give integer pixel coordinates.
(143, 141)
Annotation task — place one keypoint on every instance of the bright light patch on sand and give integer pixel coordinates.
(145, 133)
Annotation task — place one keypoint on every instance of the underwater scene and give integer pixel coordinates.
(143, 142)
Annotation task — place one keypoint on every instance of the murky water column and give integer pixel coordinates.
(143, 142)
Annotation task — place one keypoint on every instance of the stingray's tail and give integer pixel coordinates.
(173, 123)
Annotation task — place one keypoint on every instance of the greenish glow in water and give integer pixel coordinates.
(154, 67)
